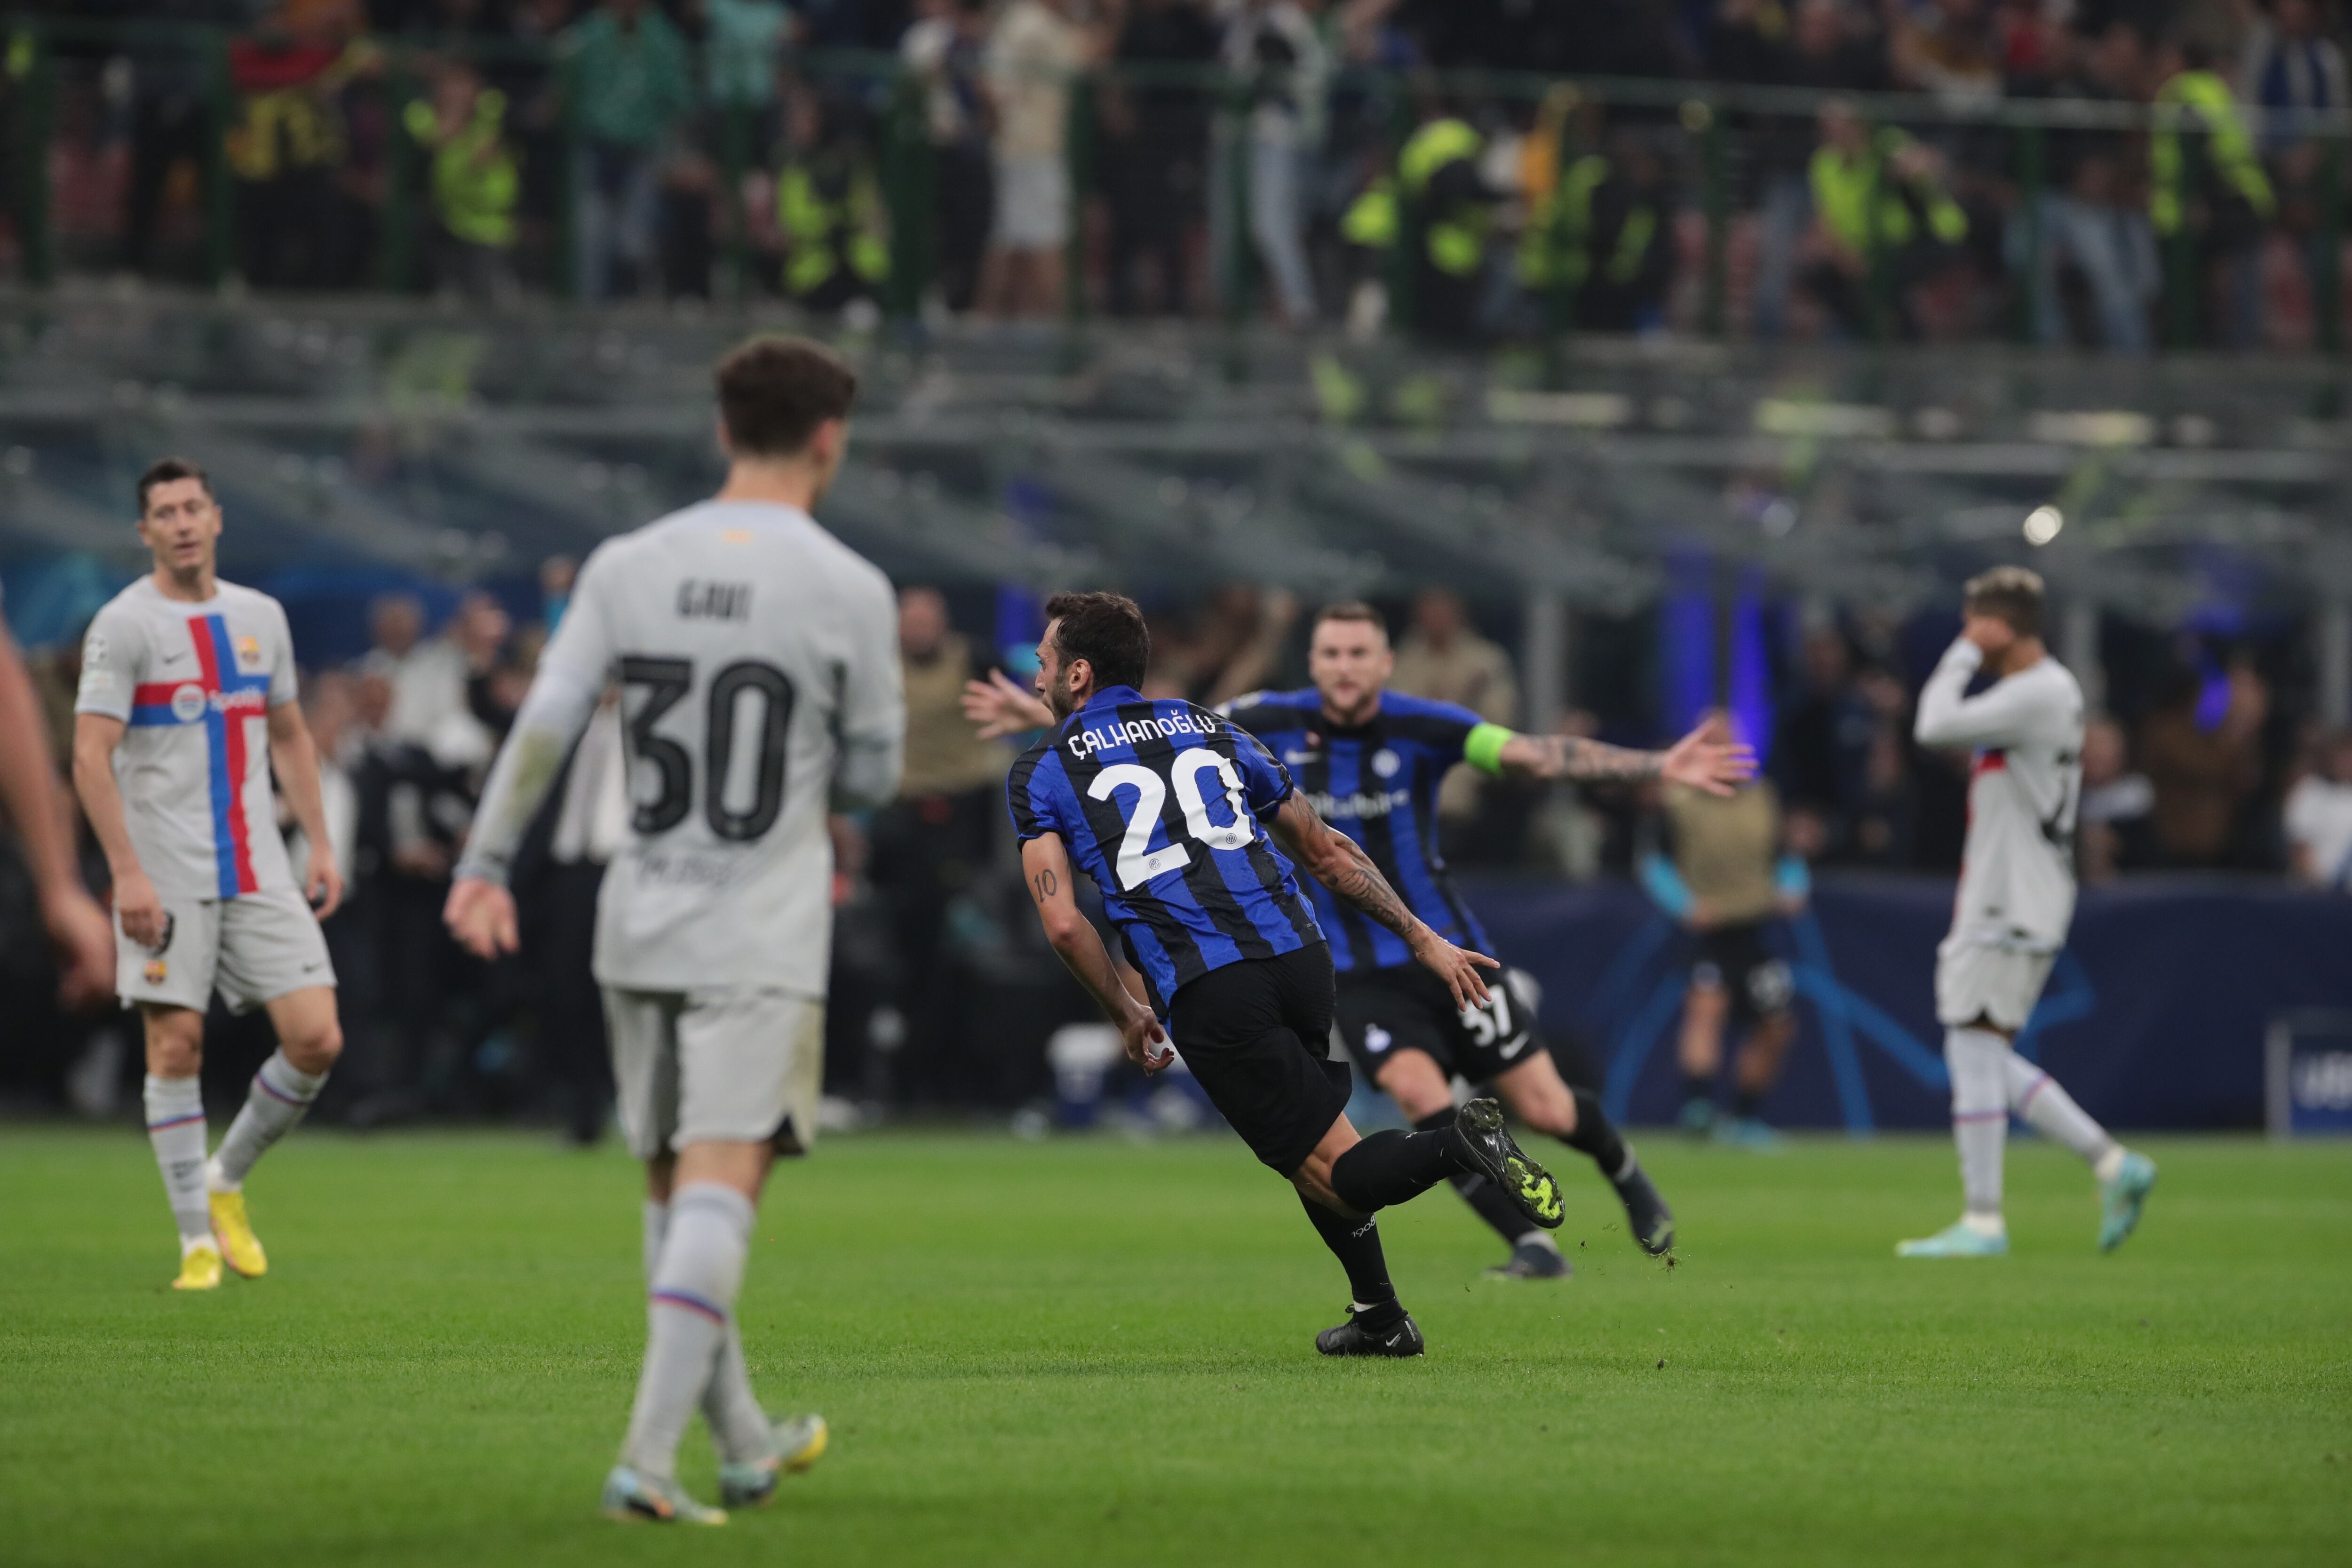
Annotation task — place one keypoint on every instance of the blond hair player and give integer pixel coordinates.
(2016, 900)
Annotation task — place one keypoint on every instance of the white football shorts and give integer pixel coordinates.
(1976, 979)
(253, 948)
(733, 1063)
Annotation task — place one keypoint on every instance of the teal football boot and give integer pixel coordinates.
(1958, 1239)
(2121, 1200)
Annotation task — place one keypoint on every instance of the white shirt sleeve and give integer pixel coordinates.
(873, 722)
(562, 695)
(112, 654)
(2003, 715)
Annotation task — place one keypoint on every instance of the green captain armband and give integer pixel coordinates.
(1483, 748)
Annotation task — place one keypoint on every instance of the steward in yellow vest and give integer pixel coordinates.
(1602, 236)
(1881, 207)
(1437, 182)
(473, 176)
(2199, 101)
(830, 213)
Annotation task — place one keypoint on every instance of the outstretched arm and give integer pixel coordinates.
(1706, 758)
(1046, 864)
(1001, 707)
(1339, 863)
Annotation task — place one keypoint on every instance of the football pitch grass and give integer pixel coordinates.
(1093, 1351)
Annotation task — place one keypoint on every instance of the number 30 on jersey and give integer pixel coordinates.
(743, 684)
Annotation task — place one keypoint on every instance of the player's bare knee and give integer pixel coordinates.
(316, 1050)
(1551, 1112)
(1415, 1083)
(176, 1042)
(1557, 1119)
(174, 1058)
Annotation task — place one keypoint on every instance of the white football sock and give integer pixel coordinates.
(739, 1426)
(695, 1284)
(1980, 1114)
(176, 1126)
(656, 1227)
(279, 1094)
(2050, 1111)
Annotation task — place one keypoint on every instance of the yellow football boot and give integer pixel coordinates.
(200, 1270)
(800, 1442)
(239, 1247)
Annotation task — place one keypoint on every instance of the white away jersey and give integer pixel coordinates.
(2017, 874)
(195, 684)
(757, 659)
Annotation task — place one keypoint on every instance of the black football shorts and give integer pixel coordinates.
(1257, 1037)
(1383, 1011)
(1734, 959)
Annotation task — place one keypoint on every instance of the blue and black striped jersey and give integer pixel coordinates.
(1161, 802)
(1378, 785)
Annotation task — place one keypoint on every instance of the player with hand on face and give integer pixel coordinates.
(2016, 900)
(1177, 814)
(1370, 762)
(758, 662)
(176, 671)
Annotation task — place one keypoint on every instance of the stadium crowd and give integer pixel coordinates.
(944, 997)
(1190, 156)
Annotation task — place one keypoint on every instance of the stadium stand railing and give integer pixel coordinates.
(403, 164)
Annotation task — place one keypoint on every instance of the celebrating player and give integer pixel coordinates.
(1370, 762)
(1168, 807)
(2016, 900)
(177, 668)
(759, 666)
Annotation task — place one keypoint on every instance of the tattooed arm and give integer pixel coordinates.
(1339, 863)
(1046, 864)
(1706, 758)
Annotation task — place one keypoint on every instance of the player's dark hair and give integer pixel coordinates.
(163, 471)
(1351, 610)
(1107, 630)
(2011, 594)
(774, 390)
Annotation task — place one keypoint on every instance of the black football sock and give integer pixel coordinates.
(1390, 1167)
(1745, 1104)
(1595, 1137)
(1356, 1243)
(1485, 1199)
(1698, 1088)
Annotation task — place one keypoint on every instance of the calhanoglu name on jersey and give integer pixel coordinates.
(1102, 737)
